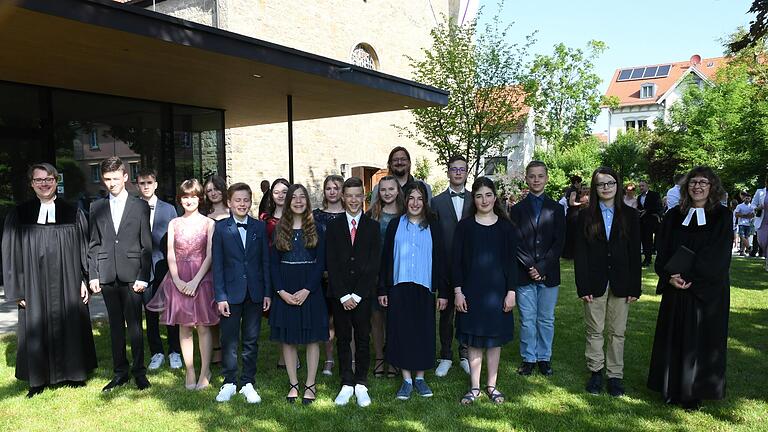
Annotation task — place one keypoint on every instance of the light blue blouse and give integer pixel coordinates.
(607, 219)
(413, 254)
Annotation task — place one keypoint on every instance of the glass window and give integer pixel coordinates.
(95, 140)
(642, 124)
(624, 75)
(364, 56)
(95, 173)
(647, 91)
(630, 124)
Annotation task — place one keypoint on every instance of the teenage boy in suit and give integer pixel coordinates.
(451, 206)
(119, 265)
(353, 258)
(241, 279)
(160, 215)
(540, 222)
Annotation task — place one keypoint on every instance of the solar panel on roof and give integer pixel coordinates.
(663, 71)
(624, 75)
(637, 73)
(650, 72)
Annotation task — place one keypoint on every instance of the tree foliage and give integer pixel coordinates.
(562, 89)
(580, 159)
(480, 70)
(627, 154)
(758, 28)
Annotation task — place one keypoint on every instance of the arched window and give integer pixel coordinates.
(363, 55)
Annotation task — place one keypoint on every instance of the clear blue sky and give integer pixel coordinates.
(636, 32)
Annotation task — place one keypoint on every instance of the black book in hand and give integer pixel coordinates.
(681, 262)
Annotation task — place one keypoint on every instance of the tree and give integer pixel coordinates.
(581, 159)
(757, 28)
(480, 70)
(562, 91)
(627, 153)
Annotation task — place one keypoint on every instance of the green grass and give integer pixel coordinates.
(536, 403)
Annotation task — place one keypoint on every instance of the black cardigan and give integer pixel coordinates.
(598, 262)
(439, 271)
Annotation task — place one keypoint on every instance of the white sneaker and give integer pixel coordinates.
(442, 367)
(464, 363)
(226, 392)
(344, 395)
(250, 393)
(175, 360)
(156, 361)
(361, 394)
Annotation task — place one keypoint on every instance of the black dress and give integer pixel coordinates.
(689, 349)
(292, 271)
(322, 218)
(44, 264)
(571, 224)
(484, 267)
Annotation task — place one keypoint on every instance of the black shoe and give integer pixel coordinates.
(615, 387)
(545, 368)
(526, 368)
(595, 383)
(142, 383)
(34, 391)
(74, 384)
(692, 405)
(116, 382)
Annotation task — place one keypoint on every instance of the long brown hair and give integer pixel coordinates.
(594, 226)
(220, 185)
(271, 206)
(498, 208)
(339, 180)
(378, 207)
(426, 211)
(283, 231)
(716, 191)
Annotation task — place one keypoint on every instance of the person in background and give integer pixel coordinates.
(688, 359)
(216, 208)
(275, 206)
(540, 225)
(389, 205)
(673, 193)
(331, 209)
(399, 166)
(53, 318)
(629, 195)
(160, 215)
(650, 210)
(608, 277)
(451, 206)
(744, 214)
(760, 204)
(574, 196)
(264, 186)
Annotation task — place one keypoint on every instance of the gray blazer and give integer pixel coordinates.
(446, 215)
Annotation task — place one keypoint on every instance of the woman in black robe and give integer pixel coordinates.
(45, 245)
(689, 349)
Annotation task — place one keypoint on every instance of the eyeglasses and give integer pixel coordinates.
(606, 185)
(48, 180)
(457, 170)
(701, 183)
(401, 159)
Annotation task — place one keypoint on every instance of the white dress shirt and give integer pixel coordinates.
(673, 196)
(117, 207)
(351, 218)
(458, 203)
(152, 207)
(757, 203)
(47, 212)
(241, 230)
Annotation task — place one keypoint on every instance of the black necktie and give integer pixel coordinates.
(151, 206)
(457, 194)
(242, 225)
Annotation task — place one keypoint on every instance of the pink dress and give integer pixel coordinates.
(190, 246)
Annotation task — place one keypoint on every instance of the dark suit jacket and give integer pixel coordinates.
(127, 255)
(442, 205)
(540, 244)
(439, 265)
(352, 268)
(598, 262)
(652, 206)
(164, 212)
(238, 271)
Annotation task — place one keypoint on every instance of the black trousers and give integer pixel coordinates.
(124, 310)
(648, 227)
(446, 328)
(347, 322)
(153, 328)
(245, 317)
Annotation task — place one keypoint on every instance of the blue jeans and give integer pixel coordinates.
(537, 321)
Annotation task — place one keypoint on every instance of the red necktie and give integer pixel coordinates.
(353, 231)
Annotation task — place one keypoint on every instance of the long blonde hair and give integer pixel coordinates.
(283, 231)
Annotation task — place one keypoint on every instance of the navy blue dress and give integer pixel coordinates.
(292, 271)
(484, 268)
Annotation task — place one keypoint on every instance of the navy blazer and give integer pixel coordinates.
(238, 271)
(540, 243)
(164, 213)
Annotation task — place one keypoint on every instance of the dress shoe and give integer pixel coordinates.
(34, 391)
(615, 387)
(142, 383)
(116, 382)
(595, 383)
(545, 368)
(526, 368)
(344, 395)
(361, 394)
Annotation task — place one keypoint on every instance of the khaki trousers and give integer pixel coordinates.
(607, 313)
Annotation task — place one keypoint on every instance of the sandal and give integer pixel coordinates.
(471, 396)
(292, 399)
(393, 372)
(328, 367)
(305, 400)
(494, 395)
(380, 370)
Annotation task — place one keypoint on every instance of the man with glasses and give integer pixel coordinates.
(399, 165)
(45, 250)
(649, 206)
(451, 206)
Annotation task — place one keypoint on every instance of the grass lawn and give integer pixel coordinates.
(558, 403)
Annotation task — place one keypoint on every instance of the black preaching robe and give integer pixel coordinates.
(688, 358)
(44, 264)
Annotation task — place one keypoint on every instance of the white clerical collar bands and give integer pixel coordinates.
(701, 218)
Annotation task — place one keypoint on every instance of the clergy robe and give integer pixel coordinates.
(689, 349)
(44, 264)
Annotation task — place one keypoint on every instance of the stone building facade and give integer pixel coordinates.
(376, 33)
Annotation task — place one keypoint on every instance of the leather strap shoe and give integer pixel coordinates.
(116, 382)
(142, 383)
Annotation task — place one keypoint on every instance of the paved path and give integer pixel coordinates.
(9, 314)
